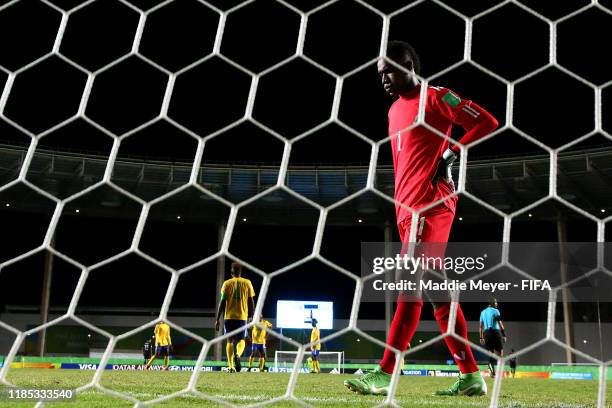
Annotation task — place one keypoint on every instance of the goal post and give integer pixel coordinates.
(330, 361)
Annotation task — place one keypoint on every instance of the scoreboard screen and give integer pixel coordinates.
(298, 314)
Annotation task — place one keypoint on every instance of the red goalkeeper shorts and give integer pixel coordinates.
(433, 226)
(432, 232)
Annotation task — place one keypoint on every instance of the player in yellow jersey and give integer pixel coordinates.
(163, 343)
(237, 305)
(315, 348)
(258, 335)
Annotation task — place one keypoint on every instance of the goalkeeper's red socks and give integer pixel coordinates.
(462, 353)
(403, 326)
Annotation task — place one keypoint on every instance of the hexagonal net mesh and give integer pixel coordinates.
(168, 72)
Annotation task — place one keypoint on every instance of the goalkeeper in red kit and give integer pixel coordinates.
(422, 163)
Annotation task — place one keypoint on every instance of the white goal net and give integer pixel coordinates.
(334, 360)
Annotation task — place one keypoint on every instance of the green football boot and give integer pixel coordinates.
(375, 382)
(468, 384)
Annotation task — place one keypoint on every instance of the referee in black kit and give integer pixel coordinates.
(492, 332)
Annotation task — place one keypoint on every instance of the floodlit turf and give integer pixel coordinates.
(325, 390)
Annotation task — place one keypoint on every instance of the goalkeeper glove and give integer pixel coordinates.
(445, 165)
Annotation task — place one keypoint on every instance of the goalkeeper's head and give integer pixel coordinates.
(314, 322)
(400, 75)
(236, 269)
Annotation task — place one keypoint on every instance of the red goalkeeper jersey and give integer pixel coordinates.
(416, 152)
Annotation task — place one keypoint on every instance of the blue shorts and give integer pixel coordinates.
(231, 325)
(258, 347)
(162, 350)
(315, 353)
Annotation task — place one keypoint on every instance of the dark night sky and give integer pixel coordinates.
(551, 106)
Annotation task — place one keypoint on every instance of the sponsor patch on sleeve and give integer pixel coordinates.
(451, 99)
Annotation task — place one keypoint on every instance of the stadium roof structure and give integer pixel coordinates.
(507, 183)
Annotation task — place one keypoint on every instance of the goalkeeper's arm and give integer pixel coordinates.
(475, 120)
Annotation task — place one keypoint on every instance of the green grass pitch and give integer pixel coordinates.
(321, 390)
